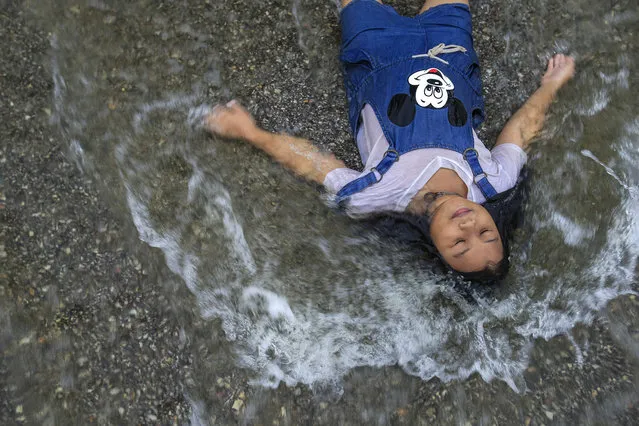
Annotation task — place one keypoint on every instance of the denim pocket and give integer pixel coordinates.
(357, 65)
(467, 64)
(474, 77)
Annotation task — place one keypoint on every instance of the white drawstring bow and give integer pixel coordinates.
(441, 48)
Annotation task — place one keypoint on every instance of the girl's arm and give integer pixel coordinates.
(529, 119)
(298, 155)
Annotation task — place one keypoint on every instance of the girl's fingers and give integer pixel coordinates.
(218, 109)
(236, 106)
(228, 105)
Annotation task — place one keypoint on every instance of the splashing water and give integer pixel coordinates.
(302, 293)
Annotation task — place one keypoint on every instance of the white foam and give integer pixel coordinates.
(198, 413)
(616, 17)
(574, 234)
(276, 305)
(597, 102)
(587, 153)
(77, 153)
(619, 79)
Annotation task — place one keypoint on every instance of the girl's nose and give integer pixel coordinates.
(467, 223)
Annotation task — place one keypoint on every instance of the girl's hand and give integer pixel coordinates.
(231, 121)
(561, 68)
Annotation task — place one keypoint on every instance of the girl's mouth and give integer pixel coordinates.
(461, 212)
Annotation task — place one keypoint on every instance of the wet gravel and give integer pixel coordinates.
(89, 328)
(86, 332)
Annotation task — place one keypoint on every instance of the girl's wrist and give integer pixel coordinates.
(251, 133)
(551, 86)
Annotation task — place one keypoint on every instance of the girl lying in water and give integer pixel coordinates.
(415, 100)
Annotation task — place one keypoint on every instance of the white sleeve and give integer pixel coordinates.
(336, 179)
(511, 159)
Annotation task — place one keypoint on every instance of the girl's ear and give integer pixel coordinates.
(401, 109)
(457, 115)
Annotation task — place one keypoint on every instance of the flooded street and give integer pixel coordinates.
(153, 274)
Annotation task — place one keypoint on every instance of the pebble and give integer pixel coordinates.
(401, 412)
(237, 406)
(550, 415)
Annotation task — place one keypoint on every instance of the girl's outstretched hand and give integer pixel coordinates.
(231, 121)
(561, 68)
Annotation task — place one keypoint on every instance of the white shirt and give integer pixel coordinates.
(408, 175)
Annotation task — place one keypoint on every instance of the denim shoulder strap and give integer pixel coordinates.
(363, 182)
(481, 180)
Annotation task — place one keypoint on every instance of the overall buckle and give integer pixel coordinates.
(392, 151)
(374, 171)
(479, 177)
(469, 150)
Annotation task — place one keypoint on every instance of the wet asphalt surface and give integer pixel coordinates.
(90, 333)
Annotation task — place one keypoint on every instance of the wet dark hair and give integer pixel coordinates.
(505, 209)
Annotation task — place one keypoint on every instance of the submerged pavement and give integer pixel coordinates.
(90, 331)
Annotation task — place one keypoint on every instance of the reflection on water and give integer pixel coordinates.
(304, 294)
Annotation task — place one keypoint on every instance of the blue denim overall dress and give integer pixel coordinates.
(421, 77)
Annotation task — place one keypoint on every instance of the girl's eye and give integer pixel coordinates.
(484, 231)
(459, 242)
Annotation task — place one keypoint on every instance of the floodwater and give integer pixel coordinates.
(301, 293)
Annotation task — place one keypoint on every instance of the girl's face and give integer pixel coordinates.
(465, 234)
